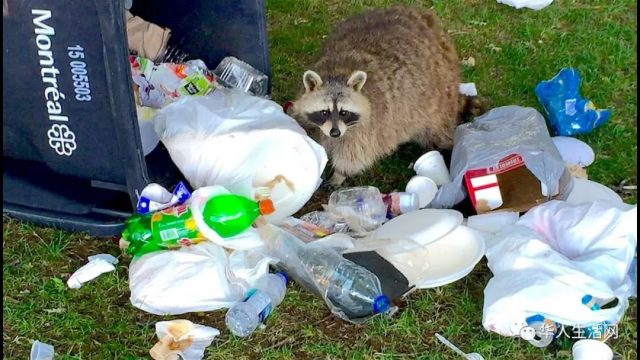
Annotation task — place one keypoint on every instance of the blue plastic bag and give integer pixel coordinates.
(569, 113)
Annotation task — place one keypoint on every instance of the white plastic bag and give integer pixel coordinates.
(192, 279)
(531, 4)
(243, 143)
(555, 255)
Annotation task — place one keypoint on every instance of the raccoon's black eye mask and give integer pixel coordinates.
(322, 116)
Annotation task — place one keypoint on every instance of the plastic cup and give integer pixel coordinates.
(432, 166)
(591, 349)
(424, 188)
(41, 351)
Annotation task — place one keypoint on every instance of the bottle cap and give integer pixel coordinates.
(381, 304)
(266, 207)
(408, 202)
(284, 276)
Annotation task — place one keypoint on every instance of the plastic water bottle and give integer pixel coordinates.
(346, 284)
(362, 208)
(244, 317)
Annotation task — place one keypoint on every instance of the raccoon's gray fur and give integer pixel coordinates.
(385, 77)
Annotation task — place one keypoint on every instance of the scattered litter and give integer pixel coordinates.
(531, 4)
(154, 197)
(303, 230)
(54, 311)
(400, 203)
(41, 351)
(181, 339)
(432, 165)
(584, 191)
(97, 265)
(424, 188)
(555, 255)
(494, 48)
(468, 89)
(192, 279)
(492, 222)
(471, 356)
(352, 292)
(361, 208)
(212, 214)
(325, 220)
(633, 274)
(506, 160)
(243, 318)
(234, 73)
(577, 171)
(574, 151)
(441, 261)
(243, 143)
(591, 349)
(161, 84)
(470, 61)
(145, 38)
(569, 113)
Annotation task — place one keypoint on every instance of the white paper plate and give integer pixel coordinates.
(574, 151)
(442, 262)
(587, 190)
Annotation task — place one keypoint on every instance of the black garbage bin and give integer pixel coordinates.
(72, 154)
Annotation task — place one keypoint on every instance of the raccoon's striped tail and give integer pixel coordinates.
(472, 106)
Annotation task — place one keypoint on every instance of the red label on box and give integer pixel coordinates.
(508, 163)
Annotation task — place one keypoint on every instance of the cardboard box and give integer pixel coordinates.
(509, 186)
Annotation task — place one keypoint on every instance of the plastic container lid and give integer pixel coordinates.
(381, 304)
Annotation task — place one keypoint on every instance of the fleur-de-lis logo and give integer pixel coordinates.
(61, 139)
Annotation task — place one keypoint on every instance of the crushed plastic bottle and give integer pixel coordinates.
(268, 292)
(362, 208)
(351, 291)
(227, 214)
(234, 73)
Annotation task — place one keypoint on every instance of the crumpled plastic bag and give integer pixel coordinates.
(192, 279)
(495, 135)
(569, 113)
(555, 255)
(182, 339)
(244, 143)
(531, 4)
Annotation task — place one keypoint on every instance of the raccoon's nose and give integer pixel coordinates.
(334, 132)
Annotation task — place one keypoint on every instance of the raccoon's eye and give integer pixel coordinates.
(344, 112)
(325, 113)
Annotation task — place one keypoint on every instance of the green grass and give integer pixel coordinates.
(513, 50)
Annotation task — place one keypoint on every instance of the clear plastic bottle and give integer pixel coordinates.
(350, 290)
(268, 292)
(362, 208)
(354, 289)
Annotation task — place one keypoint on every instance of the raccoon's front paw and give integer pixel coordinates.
(337, 179)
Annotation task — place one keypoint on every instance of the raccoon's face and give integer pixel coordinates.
(334, 104)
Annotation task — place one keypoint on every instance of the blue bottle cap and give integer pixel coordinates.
(381, 304)
(284, 276)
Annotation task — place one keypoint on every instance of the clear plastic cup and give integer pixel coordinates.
(41, 351)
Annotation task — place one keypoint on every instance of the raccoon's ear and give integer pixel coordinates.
(311, 80)
(357, 80)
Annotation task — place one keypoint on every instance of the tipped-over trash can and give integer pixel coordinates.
(72, 153)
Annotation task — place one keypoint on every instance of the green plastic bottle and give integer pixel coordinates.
(171, 228)
(230, 214)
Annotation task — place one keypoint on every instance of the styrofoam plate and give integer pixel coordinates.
(422, 226)
(587, 190)
(447, 260)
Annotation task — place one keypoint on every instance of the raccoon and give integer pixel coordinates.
(384, 78)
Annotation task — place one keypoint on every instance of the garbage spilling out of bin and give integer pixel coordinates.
(230, 237)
